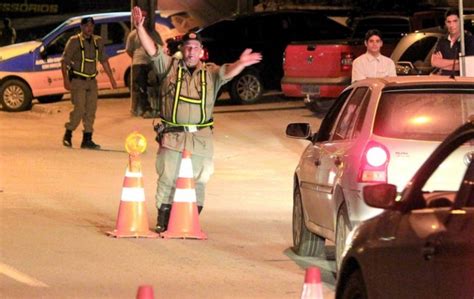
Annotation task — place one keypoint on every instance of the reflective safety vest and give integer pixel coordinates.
(201, 101)
(85, 59)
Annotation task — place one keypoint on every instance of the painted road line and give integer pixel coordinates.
(20, 277)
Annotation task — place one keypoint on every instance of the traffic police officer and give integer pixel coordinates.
(188, 93)
(79, 69)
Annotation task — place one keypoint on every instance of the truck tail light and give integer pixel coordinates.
(374, 164)
(205, 54)
(346, 61)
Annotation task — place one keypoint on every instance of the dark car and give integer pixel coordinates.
(422, 246)
(268, 33)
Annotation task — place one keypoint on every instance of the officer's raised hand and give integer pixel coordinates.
(246, 58)
(138, 18)
(145, 39)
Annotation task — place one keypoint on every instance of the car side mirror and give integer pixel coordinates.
(43, 53)
(299, 130)
(381, 196)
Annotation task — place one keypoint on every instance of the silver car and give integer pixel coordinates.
(377, 131)
(422, 246)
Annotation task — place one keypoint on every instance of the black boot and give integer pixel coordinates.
(88, 143)
(67, 139)
(163, 218)
(199, 209)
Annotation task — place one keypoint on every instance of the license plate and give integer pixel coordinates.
(310, 89)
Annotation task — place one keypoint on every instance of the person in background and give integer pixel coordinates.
(372, 64)
(8, 36)
(446, 54)
(79, 69)
(188, 91)
(141, 67)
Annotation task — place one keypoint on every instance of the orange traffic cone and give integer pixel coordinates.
(145, 292)
(184, 216)
(132, 221)
(312, 288)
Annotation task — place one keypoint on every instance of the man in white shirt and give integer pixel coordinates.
(372, 64)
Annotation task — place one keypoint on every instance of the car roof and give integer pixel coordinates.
(270, 13)
(409, 81)
(108, 15)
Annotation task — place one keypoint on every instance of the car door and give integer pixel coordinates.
(334, 155)
(49, 62)
(114, 34)
(311, 180)
(453, 252)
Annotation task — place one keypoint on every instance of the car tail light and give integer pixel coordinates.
(373, 167)
(346, 61)
(205, 55)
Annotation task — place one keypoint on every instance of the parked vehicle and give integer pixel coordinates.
(268, 33)
(412, 54)
(33, 69)
(320, 70)
(378, 131)
(422, 245)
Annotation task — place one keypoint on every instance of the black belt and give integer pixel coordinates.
(83, 78)
(178, 129)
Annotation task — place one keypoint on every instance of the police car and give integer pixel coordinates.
(33, 69)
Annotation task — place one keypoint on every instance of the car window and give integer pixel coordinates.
(57, 45)
(329, 120)
(419, 50)
(422, 114)
(305, 26)
(436, 198)
(350, 115)
(391, 28)
(224, 31)
(114, 33)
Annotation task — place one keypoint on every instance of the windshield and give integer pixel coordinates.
(423, 114)
(59, 28)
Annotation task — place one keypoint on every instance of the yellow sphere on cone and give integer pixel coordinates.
(135, 143)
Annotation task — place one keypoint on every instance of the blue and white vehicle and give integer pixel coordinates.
(33, 69)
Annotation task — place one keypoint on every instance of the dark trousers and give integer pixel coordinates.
(140, 102)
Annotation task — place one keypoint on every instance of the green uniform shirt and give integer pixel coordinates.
(199, 142)
(187, 113)
(72, 55)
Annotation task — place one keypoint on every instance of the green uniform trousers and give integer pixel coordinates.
(167, 165)
(84, 100)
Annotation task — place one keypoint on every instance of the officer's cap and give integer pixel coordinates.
(191, 36)
(87, 20)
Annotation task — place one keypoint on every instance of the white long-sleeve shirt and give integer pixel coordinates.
(369, 66)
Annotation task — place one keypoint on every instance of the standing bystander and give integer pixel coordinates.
(372, 64)
(8, 36)
(188, 92)
(446, 54)
(141, 67)
(79, 69)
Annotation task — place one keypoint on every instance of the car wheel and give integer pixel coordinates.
(319, 106)
(305, 243)
(50, 99)
(15, 96)
(246, 88)
(354, 288)
(342, 231)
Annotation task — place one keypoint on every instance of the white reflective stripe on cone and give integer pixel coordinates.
(133, 194)
(133, 174)
(185, 195)
(186, 169)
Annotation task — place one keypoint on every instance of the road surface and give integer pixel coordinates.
(58, 203)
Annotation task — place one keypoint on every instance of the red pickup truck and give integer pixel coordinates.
(319, 71)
